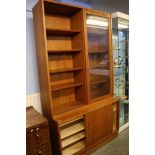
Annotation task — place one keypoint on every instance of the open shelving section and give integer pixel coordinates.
(65, 51)
(72, 136)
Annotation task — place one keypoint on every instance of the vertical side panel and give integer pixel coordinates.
(111, 56)
(55, 136)
(118, 113)
(42, 58)
(86, 55)
(79, 59)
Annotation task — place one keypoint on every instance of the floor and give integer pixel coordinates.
(119, 146)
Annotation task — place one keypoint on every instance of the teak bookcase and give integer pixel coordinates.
(74, 52)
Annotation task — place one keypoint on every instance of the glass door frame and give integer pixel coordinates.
(108, 16)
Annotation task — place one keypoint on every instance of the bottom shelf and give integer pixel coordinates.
(62, 108)
(73, 139)
(74, 148)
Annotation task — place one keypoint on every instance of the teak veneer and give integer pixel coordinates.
(75, 69)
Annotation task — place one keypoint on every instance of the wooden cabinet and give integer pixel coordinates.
(41, 150)
(37, 134)
(99, 124)
(76, 75)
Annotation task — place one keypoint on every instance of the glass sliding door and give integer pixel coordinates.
(98, 53)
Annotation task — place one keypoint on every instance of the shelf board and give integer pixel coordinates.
(65, 86)
(98, 52)
(70, 130)
(92, 31)
(61, 32)
(74, 148)
(65, 107)
(64, 51)
(120, 66)
(65, 70)
(98, 82)
(71, 121)
(99, 66)
(72, 139)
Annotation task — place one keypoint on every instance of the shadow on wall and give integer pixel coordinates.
(32, 82)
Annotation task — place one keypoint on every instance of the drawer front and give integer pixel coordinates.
(43, 150)
(37, 136)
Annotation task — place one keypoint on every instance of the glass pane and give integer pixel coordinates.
(121, 65)
(98, 50)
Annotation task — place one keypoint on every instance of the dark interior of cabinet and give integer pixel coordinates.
(65, 51)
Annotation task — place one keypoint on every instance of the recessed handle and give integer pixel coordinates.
(39, 152)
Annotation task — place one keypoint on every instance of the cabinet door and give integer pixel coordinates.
(99, 55)
(99, 124)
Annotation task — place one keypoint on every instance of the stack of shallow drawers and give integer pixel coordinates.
(37, 134)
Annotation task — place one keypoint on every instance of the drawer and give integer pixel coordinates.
(42, 150)
(37, 136)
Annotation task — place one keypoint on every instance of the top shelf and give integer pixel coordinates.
(61, 32)
(63, 9)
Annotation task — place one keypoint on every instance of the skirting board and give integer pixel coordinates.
(34, 100)
(126, 125)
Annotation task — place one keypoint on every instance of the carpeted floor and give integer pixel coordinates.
(119, 146)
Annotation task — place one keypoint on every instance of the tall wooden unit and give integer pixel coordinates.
(76, 76)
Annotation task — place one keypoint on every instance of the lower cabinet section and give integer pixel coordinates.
(99, 124)
(83, 132)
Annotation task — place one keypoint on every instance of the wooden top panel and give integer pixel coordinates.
(67, 9)
(33, 118)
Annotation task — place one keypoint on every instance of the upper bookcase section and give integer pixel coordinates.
(56, 8)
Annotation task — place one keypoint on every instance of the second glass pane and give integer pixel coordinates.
(98, 50)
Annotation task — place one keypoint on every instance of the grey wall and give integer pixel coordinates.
(111, 5)
(32, 82)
